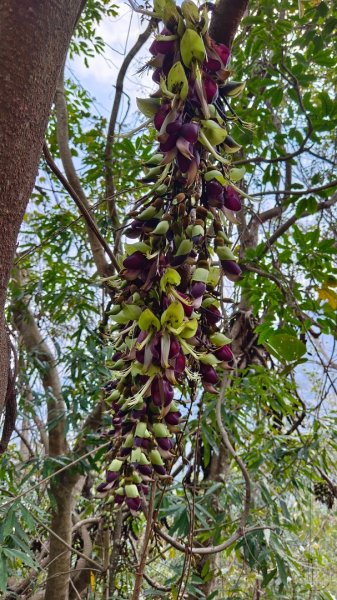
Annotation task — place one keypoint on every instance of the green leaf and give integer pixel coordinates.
(17, 554)
(281, 569)
(286, 347)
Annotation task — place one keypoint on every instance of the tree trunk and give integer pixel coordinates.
(34, 36)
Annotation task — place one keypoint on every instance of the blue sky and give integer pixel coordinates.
(119, 33)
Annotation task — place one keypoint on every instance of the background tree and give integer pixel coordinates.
(279, 401)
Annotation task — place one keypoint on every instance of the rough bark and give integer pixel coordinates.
(34, 37)
(226, 19)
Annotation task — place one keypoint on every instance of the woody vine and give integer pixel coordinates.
(166, 330)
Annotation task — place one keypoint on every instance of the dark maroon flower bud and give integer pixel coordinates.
(174, 127)
(180, 364)
(173, 418)
(190, 131)
(153, 48)
(208, 374)
(125, 451)
(126, 427)
(212, 64)
(119, 499)
(167, 142)
(198, 289)
(231, 199)
(139, 413)
(156, 75)
(140, 355)
(184, 163)
(155, 346)
(142, 336)
(165, 302)
(117, 422)
(142, 442)
(135, 261)
(161, 392)
(231, 269)
(145, 470)
(111, 476)
(160, 116)
(214, 190)
(101, 487)
(165, 443)
(222, 51)
(210, 88)
(212, 314)
(174, 348)
(162, 46)
(144, 488)
(224, 354)
(159, 469)
(110, 386)
(133, 503)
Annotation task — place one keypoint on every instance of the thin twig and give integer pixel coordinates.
(58, 472)
(62, 133)
(54, 534)
(113, 119)
(239, 462)
(85, 212)
(293, 219)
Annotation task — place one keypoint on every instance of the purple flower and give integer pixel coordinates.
(231, 199)
(145, 470)
(210, 88)
(208, 374)
(111, 476)
(119, 499)
(161, 392)
(133, 504)
(175, 348)
(231, 269)
(198, 289)
(173, 418)
(225, 354)
(163, 46)
(212, 314)
(165, 443)
(215, 194)
(160, 470)
(161, 115)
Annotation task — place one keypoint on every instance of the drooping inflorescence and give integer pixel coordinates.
(166, 324)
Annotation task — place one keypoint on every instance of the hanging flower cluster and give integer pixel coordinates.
(166, 321)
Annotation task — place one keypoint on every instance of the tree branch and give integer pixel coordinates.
(293, 219)
(239, 462)
(86, 214)
(62, 132)
(37, 345)
(109, 182)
